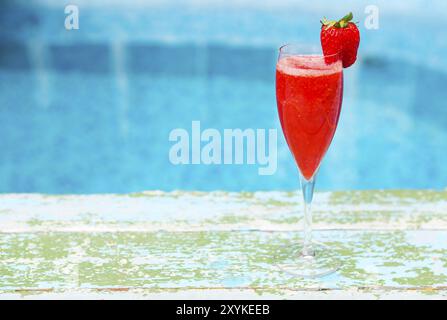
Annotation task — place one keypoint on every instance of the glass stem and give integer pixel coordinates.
(307, 187)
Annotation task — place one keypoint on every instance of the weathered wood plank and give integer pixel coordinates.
(195, 211)
(392, 244)
(219, 293)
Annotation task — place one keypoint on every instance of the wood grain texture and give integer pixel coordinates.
(220, 245)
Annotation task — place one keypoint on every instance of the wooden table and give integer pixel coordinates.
(192, 245)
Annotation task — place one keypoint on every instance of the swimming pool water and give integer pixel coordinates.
(91, 115)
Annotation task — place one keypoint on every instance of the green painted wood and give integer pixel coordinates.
(221, 245)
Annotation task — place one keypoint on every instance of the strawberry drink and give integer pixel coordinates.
(309, 94)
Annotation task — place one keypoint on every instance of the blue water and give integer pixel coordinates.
(90, 110)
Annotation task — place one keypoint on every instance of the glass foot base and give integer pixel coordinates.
(323, 262)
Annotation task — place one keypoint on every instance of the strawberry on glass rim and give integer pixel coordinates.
(340, 37)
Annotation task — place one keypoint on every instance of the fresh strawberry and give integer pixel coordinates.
(342, 37)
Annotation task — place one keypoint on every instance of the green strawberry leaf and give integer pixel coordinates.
(347, 17)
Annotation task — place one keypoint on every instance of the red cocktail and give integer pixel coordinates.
(309, 93)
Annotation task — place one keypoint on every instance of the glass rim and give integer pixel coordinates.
(318, 54)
